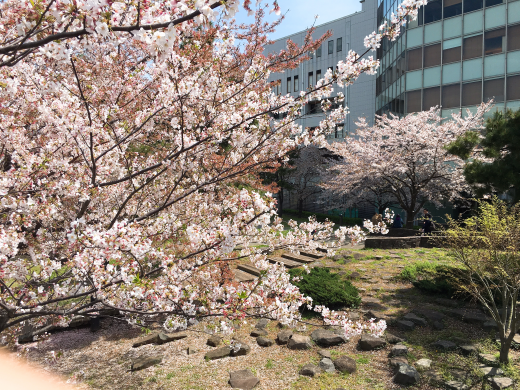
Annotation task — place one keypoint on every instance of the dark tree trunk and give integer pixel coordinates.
(409, 219)
(280, 202)
(300, 207)
(505, 345)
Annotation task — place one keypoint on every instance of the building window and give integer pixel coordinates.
(452, 8)
(318, 52)
(432, 55)
(472, 5)
(472, 47)
(331, 47)
(513, 88)
(490, 3)
(451, 96)
(414, 59)
(431, 98)
(339, 44)
(288, 85)
(451, 50)
(513, 38)
(472, 93)
(314, 108)
(494, 41)
(494, 89)
(296, 85)
(318, 75)
(311, 80)
(331, 69)
(413, 101)
(433, 11)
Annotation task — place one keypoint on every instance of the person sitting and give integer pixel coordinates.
(398, 222)
(377, 218)
(428, 222)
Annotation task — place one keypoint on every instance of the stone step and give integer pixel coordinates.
(242, 276)
(249, 269)
(323, 250)
(313, 255)
(288, 263)
(298, 258)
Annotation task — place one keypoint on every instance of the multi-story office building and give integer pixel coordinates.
(457, 54)
(347, 34)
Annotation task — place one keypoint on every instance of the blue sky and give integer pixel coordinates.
(299, 14)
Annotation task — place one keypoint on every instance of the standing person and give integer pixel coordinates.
(398, 222)
(428, 221)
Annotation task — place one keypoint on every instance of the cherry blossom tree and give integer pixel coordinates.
(130, 140)
(407, 156)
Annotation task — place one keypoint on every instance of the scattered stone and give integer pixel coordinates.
(299, 342)
(264, 341)
(259, 332)
(500, 383)
(262, 323)
(309, 370)
(455, 385)
(468, 349)
(243, 379)
(327, 365)
(243, 348)
(490, 371)
(438, 325)
(368, 342)
(416, 320)
(444, 345)
(433, 376)
(387, 277)
(378, 257)
(393, 339)
(324, 353)
(431, 315)
(325, 338)
(406, 375)
(490, 326)
(358, 255)
(405, 325)
(345, 364)
(214, 341)
(164, 338)
(362, 269)
(399, 350)
(143, 362)
(218, 353)
(354, 275)
(283, 337)
(398, 360)
(191, 350)
(362, 290)
(152, 339)
(488, 359)
(423, 364)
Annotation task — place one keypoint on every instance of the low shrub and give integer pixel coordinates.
(326, 288)
(430, 277)
(320, 217)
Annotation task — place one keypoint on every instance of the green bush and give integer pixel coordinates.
(326, 288)
(320, 217)
(430, 277)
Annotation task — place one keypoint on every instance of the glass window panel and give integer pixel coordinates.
(513, 37)
(472, 69)
(472, 47)
(472, 5)
(451, 55)
(451, 73)
(433, 11)
(311, 79)
(513, 62)
(431, 98)
(490, 3)
(413, 101)
(318, 52)
(318, 75)
(432, 77)
(495, 17)
(473, 22)
(451, 43)
(433, 32)
(472, 93)
(452, 27)
(494, 89)
(432, 55)
(494, 65)
(451, 96)
(296, 84)
(414, 37)
(339, 44)
(513, 87)
(331, 47)
(288, 84)
(452, 8)
(414, 59)
(513, 12)
(494, 41)
(414, 80)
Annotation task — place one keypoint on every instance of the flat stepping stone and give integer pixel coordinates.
(243, 379)
(326, 338)
(468, 349)
(398, 360)
(327, 365)
(490, 371)
(160, 338)
(214, 341)
(249, 269)
(393, 339)
(298, 258)
(259, 333)
(416, 320)
(455, 385)
(405, 325)
(264, 341)
(369, 343)
(313, 255)
(500, 383)
(345, 364)
(406, 375)
(287, 262)
(324, 353)
(488, 359)
(242, 276)
(218, 353)
(423, 364)
(399, 350)
(143, 362)
(299, 342)
(430, 315)
(444, 345)
(309, 370)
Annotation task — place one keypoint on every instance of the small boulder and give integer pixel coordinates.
(218, 353)
(259, 332)
(398, 360)
(164, 338)
(324, 353)
(423, 364)
(325, 338)
(239, 348)
(345, 364)
(327, 365)
(393, 339)
(468, 349)
(444, 345)
(243, 379)
(354, 275)
(455, 385)
(151, 339)
(405, 325)
(415, 319)
(191, 350)
(143, 362)
(488, 359)
(309, 370)
(369, 343)
(490, 371)
(262, 323)
(500, 383)
(214, 341)
(438, 325)
(264, 341)
(283, 337)
(399, 350)
(406, 375)
(431, 315)
(299, 342)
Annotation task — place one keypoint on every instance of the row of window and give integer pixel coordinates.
(461, 95)
(330, 47)
(293, 83)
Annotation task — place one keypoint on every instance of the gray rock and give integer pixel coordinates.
(218, 353)
(415, 319)
(433, 376)
(214, 341)
(488, 359)
(490, 371)
(438, 325)
(393, 339)
(500, 383)
(299, 342)
(444, 345)
(151, 339)
(262, 323)
(431, 315)
(369, 343)
(345, 364)
(468, 349)
(143, 362)
(354, 275)
(325, 338)
(468, 316)
(398, 360)
(264, 341)
(324, 353)
(399, 350)
(241, 348)
(423, 364)
(406, 375)
(455, 385)
(164, 338)
(405, 325)
(283, 337)
(327, 365)
(243, 379)
(191, 350)
(310, 370)
(259, 332)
